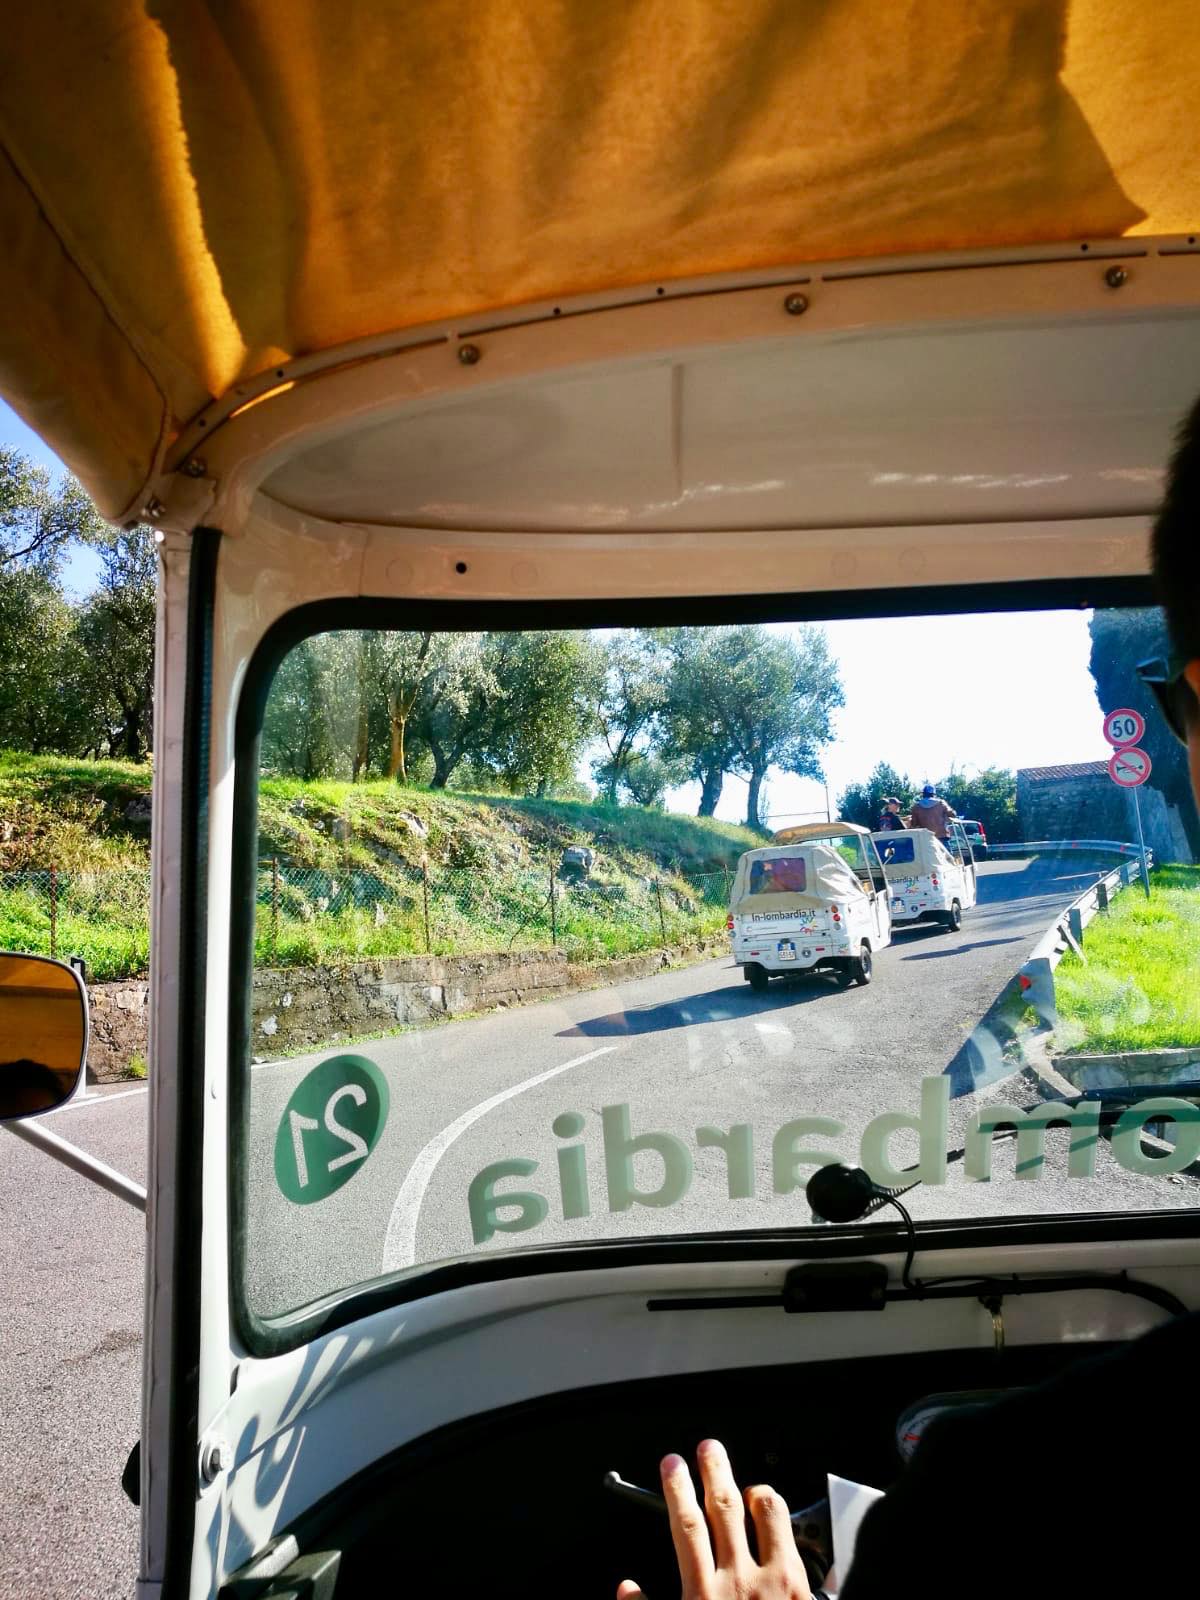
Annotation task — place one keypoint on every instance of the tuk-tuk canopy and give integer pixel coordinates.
(778, 879)
(195, 195)
(820, 830)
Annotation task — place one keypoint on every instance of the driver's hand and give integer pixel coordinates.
(723, 1568)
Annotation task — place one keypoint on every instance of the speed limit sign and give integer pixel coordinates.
(1124, 727)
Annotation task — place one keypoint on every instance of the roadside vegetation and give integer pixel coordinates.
(1136, 990)
(353, 871)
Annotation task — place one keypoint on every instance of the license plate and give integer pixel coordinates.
(786, 950)
(897, 903)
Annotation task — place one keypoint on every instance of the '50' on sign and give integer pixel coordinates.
(1124, 727)
(329, 1127)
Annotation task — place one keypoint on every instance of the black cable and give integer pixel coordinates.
(906, 1278)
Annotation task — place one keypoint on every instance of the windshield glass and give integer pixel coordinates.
(567, 937)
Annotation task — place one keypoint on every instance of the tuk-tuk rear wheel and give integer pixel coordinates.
(952, 920)
(757, 977)
(854, 969)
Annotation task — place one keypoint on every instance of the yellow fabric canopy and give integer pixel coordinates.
(192, 192)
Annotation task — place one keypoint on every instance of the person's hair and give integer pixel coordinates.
(1176, 542)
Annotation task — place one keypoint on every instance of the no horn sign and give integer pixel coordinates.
(1129, 768)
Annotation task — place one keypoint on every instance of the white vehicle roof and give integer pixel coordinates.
(819, 830)
(829, 878)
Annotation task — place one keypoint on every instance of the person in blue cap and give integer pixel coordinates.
(932, 812)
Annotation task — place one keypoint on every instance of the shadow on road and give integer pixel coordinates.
(722, 1005)
(960, 949)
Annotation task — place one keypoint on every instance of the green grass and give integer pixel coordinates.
(71, 814)
(1140, 987)
(349, 869)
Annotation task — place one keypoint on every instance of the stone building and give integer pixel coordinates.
(1079, 800)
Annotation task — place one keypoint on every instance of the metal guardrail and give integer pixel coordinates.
(1036, 976)
(1033, 846)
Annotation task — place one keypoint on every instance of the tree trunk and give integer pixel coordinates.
(396, 765)
(444, 762)
(712, 782)
(362, 750)
(753, 819)
(133, 735)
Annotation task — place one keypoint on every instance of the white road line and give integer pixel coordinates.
(400, 1245)
(90, 1099)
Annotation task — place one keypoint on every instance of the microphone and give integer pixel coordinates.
(838, 1193)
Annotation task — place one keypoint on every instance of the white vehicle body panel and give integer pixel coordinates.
(931, 884)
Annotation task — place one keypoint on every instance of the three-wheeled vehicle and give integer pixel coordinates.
(818, 904)
(428, 322)
(928, 880)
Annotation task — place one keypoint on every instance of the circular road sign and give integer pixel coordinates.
(1124, 727)
(1129, 768)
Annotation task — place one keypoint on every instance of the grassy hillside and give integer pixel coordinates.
(358, 870)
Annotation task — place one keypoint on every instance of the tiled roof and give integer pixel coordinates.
(1072, 769)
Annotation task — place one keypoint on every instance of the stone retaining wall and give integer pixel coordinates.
(119, 1015)
(1126, 1069)
(298, 1008)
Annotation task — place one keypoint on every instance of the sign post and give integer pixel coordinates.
(1129, 767)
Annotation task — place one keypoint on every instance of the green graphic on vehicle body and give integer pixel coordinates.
(329, 1127)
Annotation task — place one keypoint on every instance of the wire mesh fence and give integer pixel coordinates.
(102, 916)
(307, 916)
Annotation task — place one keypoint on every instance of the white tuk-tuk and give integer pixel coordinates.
(815, 904)
(424, 321)
(928, 880)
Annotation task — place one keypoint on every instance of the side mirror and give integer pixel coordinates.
(43, 1034)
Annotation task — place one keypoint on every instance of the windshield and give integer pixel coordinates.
(503, 995)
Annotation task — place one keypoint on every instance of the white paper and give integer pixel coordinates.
(848, 1504)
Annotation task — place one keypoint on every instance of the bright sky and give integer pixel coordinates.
(930, 693)
(924, 693)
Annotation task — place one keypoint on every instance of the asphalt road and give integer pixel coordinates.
(684, 1049)
(70, 1355)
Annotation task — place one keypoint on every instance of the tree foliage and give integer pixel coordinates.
(693, 724)
(989, 796)
(112, 650)
(548, 685)
(631, 702)
(774, 696)
(648, 709)
(863, 802)
(40, 518)
(36, 624)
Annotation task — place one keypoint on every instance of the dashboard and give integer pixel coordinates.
(514, 1500)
